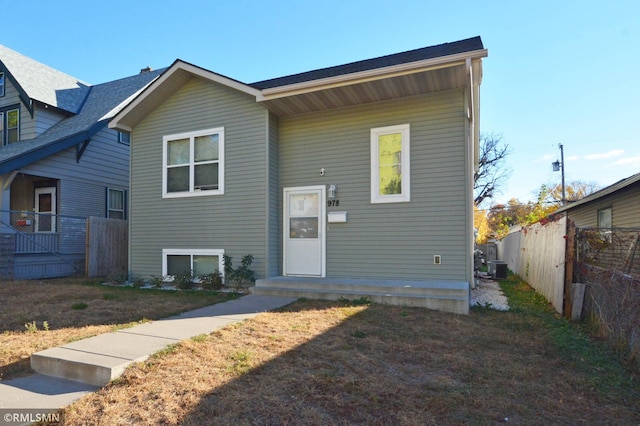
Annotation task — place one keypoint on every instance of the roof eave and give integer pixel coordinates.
(120, 121)
(371, 75)
(622, 184)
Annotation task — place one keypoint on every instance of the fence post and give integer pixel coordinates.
(568, 267)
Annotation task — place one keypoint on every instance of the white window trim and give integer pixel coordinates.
(405, 196)
(191, 252)
(191, 136)
(3, 80)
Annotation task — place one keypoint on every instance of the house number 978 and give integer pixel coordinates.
(333, 203)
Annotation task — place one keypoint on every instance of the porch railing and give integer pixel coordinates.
(37, 242)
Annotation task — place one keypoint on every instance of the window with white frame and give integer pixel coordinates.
(390, 164)
(198, 262)
(193, 164)
(116, 202)
(124, 138)
(604, 218)
(1, 84)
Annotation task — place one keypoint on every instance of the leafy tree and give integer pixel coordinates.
(491, 172)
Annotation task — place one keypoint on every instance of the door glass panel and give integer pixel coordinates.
(303, 205)
(44, 206)
(303, 227)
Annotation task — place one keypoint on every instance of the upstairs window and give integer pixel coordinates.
(390, 163)
(9, 126)
(1, 84)
(116, 202)
(193, 164)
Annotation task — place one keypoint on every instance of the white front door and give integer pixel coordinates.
(45, 202)
(304, 231)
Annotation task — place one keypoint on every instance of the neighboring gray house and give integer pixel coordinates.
(58, 161)
(616, 206)
(343, 181)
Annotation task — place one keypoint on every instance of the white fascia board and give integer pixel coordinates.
(370, 75)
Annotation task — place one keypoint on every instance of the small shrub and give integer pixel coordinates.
(184, 281)
(241, 277)
(138, 282)
(79, 306)
(156, 282)
(212, 281)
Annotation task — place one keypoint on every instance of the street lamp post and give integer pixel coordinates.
(559, 165)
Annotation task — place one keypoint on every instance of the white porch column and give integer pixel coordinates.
(5, 202)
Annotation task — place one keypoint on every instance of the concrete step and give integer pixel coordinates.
(439, 295)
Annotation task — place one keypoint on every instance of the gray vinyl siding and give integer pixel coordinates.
(398, 240)
(43, 120)
(82, 186)
(234, 221)
(273, 239)
(624, 204)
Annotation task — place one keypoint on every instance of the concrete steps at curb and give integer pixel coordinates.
(438, 295)
(100, 359)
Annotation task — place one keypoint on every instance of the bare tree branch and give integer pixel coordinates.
(491, 172)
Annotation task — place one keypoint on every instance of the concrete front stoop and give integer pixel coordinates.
(446, 296)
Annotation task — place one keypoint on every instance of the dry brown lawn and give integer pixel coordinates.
(322, 363)
(36, 315)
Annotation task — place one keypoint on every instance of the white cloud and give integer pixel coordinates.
(603, 155)
(629, 161)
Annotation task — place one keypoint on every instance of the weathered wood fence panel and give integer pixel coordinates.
(107, 246)
(537, 254)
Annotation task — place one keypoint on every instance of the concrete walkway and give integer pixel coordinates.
(68, 372)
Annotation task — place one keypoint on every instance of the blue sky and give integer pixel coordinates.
(557, 72)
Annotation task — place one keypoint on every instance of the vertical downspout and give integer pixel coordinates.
(470, 166)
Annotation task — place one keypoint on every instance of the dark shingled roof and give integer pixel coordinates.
(446, 49)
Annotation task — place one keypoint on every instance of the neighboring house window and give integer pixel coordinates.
(116, 202)
(10, 126)
(124, 138)
(1, 84)
(193, 164)
(195, 261)
(604, 218)
(605, 223)
(390, 161)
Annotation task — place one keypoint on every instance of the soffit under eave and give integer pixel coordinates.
(371, 91)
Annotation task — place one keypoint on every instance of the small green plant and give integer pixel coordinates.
(109, 296)
(212, 281)
(31, 327)
(241, 277)
(45, 325)
(359, 334)
(241, 362)
(200, 338)
(156, 282)
(79, 306)
(184, 281)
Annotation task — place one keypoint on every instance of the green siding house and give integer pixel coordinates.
(349, 181)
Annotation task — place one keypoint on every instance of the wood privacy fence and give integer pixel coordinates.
(537, 254)
(107, 247)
